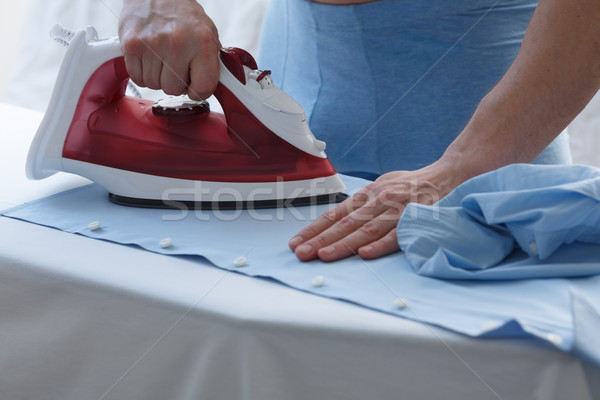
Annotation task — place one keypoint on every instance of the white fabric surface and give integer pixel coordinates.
(87, 319)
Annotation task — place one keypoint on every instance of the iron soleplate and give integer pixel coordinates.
(228, 205)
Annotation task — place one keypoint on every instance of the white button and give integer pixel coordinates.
(318, 281)
(92, 226)
(554, 339)
(533, 248)
(401, 303)
(166, 242)
(240, 261)
(490, 326)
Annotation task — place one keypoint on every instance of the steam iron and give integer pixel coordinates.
(176, 152)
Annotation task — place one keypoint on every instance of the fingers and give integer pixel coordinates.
(170, 45)
(151, 71)
(365, 224)
(204, 71)
(134, 68)
(337, 243)
(175, 72)
(174, 82)
(329, 218)
(338, 234)
(382, 247)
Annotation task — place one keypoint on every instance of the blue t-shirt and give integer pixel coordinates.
(390, 84)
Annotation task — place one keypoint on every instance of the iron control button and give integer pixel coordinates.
(180, 106)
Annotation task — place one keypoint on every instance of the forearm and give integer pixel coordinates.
(555, 74)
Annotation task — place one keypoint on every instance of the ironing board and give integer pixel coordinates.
(83, 318)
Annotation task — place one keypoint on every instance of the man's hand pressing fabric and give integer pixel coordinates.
(365, 224)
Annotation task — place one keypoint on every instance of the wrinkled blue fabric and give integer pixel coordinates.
(389, 84)
(536, 308)
(521, 221)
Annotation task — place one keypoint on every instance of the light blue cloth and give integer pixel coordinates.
(389, 84)
(551, 213)
(540, 308)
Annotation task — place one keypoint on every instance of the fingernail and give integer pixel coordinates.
(327, 250)
(367, 249)
(295, 241)
(304, 248)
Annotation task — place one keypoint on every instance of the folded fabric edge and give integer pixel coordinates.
(586, 321)
(7, 211)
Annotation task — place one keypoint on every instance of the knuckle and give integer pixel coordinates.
(155, 40)
(365, 214)
(347, 224)
(371, 228)
(385, 195)
(308, 232)
(320, 241)
(347, 206)
(132, 46)
(394, 200)
(368, 192)
(358, 200)
(205, 37)
(362, 194)
(201, 89)
(178, 38)
(392, 214)
(330, 215)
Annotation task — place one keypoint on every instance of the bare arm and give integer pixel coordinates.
(170, 45)
(555, 74)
